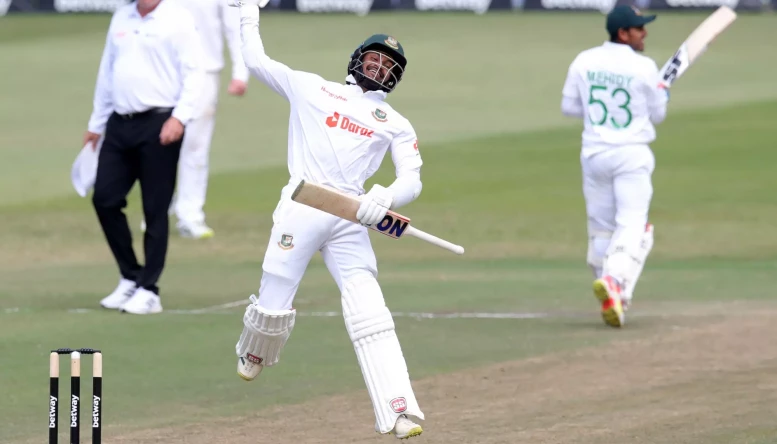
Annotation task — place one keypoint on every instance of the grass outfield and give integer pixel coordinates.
(694, 365)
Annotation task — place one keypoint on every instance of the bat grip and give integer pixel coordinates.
(434, 240)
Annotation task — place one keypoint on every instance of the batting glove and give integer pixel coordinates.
(374, 205)
(666, 91)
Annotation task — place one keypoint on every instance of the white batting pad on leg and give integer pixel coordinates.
(598, 242)
(371, 329)
(639, 262)
(625, 258)
(265, 332)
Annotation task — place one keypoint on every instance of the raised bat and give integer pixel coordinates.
(345, 206)
(695, 45)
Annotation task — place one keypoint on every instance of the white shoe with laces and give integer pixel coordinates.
(142, 302)
(405, 428)
(120, 295)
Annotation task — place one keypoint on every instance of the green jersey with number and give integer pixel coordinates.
(617, 90)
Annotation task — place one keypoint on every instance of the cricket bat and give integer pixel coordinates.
(695, 45)
(345, 206)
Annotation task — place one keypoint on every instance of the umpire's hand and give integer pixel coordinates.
(92, 138)
(172, 131)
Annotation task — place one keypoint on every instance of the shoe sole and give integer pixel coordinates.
(610, 313)
(114, 307)
(202, 236)
(244, 378)
(140, 313)
(415, 431)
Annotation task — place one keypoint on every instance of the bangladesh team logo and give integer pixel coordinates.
(379, 115)
(392, 42)
(286, 242)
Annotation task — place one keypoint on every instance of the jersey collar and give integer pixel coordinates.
(617, 46)
(356, 89)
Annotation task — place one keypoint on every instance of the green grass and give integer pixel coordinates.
(501, 177)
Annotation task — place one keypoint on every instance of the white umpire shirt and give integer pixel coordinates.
(216, 22)
(149, 62)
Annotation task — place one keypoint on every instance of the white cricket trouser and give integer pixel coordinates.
(195, 152)
(344, 246)
(298, 233)
(618, 189)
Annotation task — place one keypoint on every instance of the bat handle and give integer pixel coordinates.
(415, 232)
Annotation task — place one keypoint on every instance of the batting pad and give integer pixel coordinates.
(639, 261)
(265, 332)
(371, 329)
(626, 261)
(598, 243)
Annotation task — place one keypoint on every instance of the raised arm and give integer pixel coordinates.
(657, 96)
(279, 77)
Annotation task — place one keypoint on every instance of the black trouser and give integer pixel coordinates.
(131, 151)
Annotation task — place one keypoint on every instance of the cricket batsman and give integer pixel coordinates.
(338, 136)
(614, 89)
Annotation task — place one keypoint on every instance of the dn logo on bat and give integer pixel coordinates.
(672, 67)
(392, 225)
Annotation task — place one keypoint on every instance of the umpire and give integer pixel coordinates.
(146, 92)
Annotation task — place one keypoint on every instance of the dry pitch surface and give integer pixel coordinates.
(705, 378)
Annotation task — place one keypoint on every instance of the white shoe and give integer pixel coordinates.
(120, 295)
(142, 302)
(249, 367)
(405, 428)
(196, 230)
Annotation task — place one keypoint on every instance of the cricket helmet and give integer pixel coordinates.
(386, 47)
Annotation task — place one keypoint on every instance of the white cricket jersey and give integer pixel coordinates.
(338, 134)
(216, 22)
(617, 91)
(149, 62)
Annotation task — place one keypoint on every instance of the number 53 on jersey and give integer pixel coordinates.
(609, 106)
